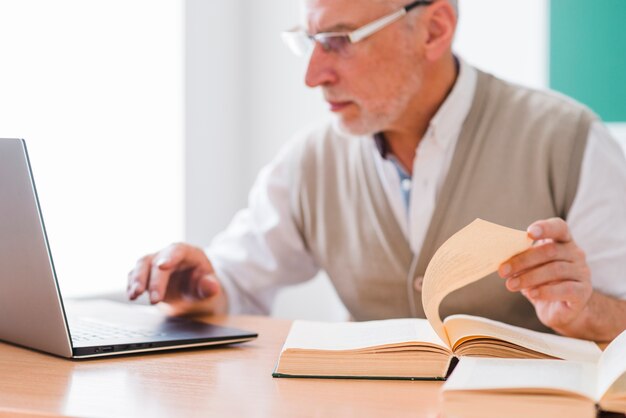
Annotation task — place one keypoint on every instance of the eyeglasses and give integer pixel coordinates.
(301, 43)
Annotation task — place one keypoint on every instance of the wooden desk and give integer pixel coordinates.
(233, 381)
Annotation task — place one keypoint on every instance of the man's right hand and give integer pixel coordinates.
(181, 276)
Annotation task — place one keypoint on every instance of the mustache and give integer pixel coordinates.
(336, 97)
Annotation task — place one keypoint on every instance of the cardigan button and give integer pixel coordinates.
(417, 283)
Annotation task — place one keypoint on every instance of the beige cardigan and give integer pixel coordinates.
(517, 160)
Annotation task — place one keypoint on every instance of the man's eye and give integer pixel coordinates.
(335, 43)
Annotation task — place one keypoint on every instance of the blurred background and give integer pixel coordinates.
(147, 120)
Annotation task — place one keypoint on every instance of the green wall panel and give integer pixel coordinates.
(588, 54)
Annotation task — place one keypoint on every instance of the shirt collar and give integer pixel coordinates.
(445, 126)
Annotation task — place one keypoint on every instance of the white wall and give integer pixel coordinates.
(274, 103)
(95, 88)
(506, 38)
(215, 152)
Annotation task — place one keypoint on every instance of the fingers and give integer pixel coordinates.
(193, 287)
(553, 228)
(552, 270)
(138, 277)
(175, 258)
(553, 244)
(558, 281)
(546, 252)
(208, 286)
(159, 279)
(173, 273)
(568, 291)
(202, 298)
(543, 264)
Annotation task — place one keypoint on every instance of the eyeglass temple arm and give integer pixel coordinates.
(374, 26)
(371, 28)
(417, 3)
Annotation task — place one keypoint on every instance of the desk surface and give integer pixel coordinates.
(229, 381)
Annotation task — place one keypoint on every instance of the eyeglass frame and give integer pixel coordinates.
(300, 42)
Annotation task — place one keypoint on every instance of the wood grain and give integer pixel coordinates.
(226, 381)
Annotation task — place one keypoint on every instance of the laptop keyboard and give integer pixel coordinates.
(86, 330)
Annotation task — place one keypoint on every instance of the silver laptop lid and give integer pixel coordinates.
(31, 309)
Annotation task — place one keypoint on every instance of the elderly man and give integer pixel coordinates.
(421, 144)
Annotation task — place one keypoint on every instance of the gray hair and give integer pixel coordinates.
(453, 3)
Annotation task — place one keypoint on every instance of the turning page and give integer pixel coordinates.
(469, 255)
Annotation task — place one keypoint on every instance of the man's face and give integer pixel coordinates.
(377, 82)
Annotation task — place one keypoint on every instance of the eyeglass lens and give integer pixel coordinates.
(339, 44)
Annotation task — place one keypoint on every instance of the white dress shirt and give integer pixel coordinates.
(262, 250)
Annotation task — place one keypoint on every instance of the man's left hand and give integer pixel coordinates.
(553, 275)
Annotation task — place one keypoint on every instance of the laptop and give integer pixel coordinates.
(32, 311)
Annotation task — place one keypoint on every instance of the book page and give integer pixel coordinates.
(523, 375)
(612, 364)
(469, 255)
(460, 327)
(358, 335)
(614, 399)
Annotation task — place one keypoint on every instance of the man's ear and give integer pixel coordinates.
(440, 22)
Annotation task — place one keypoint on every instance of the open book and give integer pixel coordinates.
(425, 348)
(533, 388)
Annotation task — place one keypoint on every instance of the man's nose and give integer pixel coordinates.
(320, 70)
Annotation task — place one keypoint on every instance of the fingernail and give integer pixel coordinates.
(533, 293)
(505, 270)
(133, 289)
(160, 262)
(535, 231)
(513, 283)
(154, 296)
